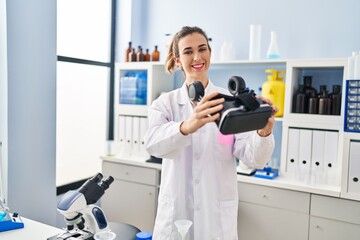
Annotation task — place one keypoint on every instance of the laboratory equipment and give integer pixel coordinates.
(255, 42)
(274, 89)
(82, 217)
(183, 227)
(273, 50)
(8, 221)
(106, 235)
(242, 112)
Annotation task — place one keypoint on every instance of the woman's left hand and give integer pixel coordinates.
(267, 130)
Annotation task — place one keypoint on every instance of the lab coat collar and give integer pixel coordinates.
(184, 95)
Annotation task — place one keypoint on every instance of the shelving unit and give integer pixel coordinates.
(343, 188)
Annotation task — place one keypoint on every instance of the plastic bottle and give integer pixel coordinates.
(357, 67)
(300, 100)
(155, 56)
(274, 89)
(351, 66)
(127, 52)
(273, 50)
(336, 100)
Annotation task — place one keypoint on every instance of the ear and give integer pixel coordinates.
(177, 61)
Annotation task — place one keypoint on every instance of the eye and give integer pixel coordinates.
(203, 49)
(188, 52)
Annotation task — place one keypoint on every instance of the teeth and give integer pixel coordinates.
(198, 65)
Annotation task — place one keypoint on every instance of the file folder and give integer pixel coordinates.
(293, 151)
(317, 157)
(354, 168)
(305, 147)
(332, 173)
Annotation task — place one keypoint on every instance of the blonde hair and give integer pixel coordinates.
(173, 50)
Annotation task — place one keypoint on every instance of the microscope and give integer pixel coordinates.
(83, 218)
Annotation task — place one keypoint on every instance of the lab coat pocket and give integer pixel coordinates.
(165, 218)
(228, 213)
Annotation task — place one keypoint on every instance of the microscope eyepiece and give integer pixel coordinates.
(106, 183)
(97, 178)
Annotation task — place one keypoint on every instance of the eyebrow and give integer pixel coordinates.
(189, 48)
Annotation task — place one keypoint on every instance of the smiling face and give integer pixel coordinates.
(194, 58)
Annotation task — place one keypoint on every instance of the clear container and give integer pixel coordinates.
(105, 235)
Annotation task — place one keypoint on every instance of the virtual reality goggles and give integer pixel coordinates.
(242, 111)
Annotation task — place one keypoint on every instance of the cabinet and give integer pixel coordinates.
(334, 218)
(132, 197)
(312, 143)
(265, 213)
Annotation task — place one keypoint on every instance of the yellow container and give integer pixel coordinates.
(274, 89)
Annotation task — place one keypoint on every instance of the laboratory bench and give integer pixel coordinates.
(276, 209)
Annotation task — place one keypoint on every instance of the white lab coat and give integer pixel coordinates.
(198, 178)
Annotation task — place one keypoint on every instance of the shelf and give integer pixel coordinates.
(314, 121)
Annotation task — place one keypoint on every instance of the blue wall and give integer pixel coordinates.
(305, 29)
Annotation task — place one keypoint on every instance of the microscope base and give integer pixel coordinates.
(72, 235)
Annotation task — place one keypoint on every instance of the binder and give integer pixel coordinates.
(292, 151)
(354, 168)
(143, 128)
(305, 147)
(330, 155)
(128, 135)
(121, 133)
(136, 135)
(317, 157)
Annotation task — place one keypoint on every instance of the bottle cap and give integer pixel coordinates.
(143, 236)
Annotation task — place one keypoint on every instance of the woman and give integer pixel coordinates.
(199, 178)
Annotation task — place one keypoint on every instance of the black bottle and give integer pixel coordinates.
(324, 101)
(336, 100)
(313, 107)
(309, 90)
(300, 100)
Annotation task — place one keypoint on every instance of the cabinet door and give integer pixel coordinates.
(326, 229)
(131, 203)
(257, 222)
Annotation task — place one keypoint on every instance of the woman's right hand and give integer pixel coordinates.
(206, 111)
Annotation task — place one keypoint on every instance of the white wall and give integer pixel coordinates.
(31, 46)
(306, 29)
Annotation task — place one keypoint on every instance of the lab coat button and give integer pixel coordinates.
(197, 181)
(197, 208)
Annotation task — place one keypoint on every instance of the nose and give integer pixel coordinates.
(197, 56)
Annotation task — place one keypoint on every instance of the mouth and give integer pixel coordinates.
(198, 67)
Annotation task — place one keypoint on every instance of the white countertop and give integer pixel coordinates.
(32, 231)
(279, 182)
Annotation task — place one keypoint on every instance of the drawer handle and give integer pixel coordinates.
(265, 196)
(150, 193)
(127, 173)
(317, 227)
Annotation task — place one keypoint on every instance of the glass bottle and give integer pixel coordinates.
(155, 56)
(309, 90)
(132, 55)
(139, 55)
(324, 101)
(300, 100)
(313, 104)
(336, 100)
(128, 50)
(273, 50)
(147, 56)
